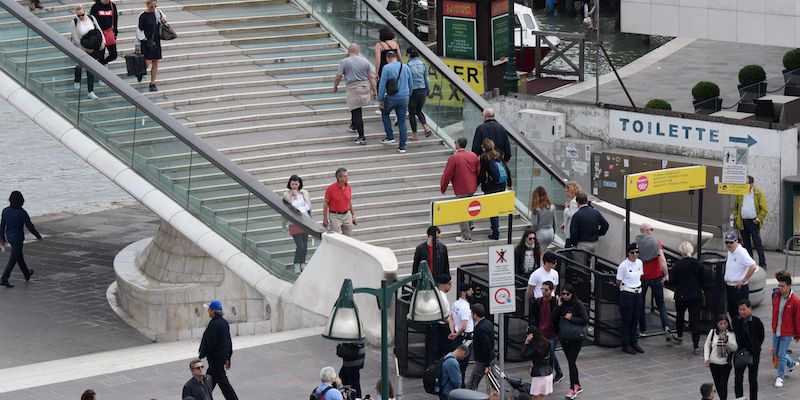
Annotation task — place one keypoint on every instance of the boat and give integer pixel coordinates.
(525, 39)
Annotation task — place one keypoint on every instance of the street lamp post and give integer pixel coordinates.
(344, 323)
(510, 78)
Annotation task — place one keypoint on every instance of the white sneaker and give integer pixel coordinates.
(76, 85)
(460, 239)
(779, 383)
(791, 369)
(378, 112)
(92, 96)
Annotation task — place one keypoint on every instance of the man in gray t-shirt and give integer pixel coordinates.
(359, 76)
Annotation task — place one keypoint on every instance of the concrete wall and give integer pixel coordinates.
(769, 22)
(773, 158)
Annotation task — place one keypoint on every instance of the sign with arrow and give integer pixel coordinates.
(749, 141)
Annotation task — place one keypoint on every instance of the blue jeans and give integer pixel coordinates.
(630, 309)
(495, 224)
(400, 107)
(781, 344)
(553, 344)
(658, 291)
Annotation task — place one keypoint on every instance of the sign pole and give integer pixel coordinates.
(627, 224)
(510, 227)
(501, 295)
(699, 223)
(502, 341)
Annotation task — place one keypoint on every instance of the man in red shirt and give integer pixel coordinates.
(655, 273)
(462, 169)
(337, 209)
(785, 324)
(440, 264)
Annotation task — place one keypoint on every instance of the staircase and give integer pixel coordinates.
(253, 78)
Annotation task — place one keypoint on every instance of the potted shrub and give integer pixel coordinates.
(752, 80)
(658, 104)
(706, 98)
(791, 71)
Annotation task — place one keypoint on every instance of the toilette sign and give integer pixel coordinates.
(690, 133)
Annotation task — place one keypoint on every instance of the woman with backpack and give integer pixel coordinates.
(148, 32)
(86, 34)
(493, 177)
(537, 349)
(543, 218)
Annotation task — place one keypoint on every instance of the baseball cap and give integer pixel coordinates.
(444, 278)
(633, 246)
(214, 305)
(731, 237)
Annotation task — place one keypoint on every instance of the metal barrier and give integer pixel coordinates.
(567, 41)
(713, 284)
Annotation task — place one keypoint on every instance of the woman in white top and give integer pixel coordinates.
(718, 350)
(570, 207)
(543, 218)
(299, 199)
(82, 25)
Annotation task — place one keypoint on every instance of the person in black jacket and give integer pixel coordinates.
(488, 185)
(749, 332)
(200, 386)
(352, 355)
(491, 129)
(105, 12)
(537, 349)
(548, 304)
(687, 276)
(12, 224)
(441, 263)
(570, 308)
(217, 349)
(587, 225)
(482, 346)
(527, 253)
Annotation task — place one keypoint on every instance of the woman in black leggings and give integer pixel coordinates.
(421, 89)
(571, 309)
(687, 276)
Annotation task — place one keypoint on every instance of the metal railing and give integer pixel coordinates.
(159, 148)
(566, 41)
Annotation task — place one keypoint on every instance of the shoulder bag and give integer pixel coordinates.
(165, 31)
(392, 85)
(568, 330)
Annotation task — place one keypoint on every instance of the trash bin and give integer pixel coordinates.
(467, 394)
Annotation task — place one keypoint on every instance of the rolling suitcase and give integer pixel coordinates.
(136, 65)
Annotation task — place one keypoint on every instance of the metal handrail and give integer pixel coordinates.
(160, 116)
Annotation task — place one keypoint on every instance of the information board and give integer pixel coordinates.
(460, 38)
(501, 279)
(662, 181)
(499, 39)
(734, 165)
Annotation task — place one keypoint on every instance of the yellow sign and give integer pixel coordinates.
(663, 181)
(445, 93)
(472, 208)
(733, 188)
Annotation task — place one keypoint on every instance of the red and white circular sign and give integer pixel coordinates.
(642, 183)
(474, 208)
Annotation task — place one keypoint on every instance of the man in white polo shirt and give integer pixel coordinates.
(739, 267)
(547, 272)
(463, 325)
(629, 281)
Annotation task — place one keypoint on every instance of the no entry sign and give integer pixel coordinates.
(474, 208)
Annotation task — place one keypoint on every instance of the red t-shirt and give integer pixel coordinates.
(338, 198)
(545, 320)
(652, 268)
(430, 257)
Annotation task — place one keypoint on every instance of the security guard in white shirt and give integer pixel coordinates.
(629, 281)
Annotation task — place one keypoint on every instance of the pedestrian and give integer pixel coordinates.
(707, 391)
(420, 90)
(739, 267)
(536, 348)
(438, 264)
(148, 33)
(751, 211)
(451, 373)
(442, 329)
(785, 324)
(300, 200)
(482, 345)
(199, 386)
(629, 282)
(394, 91)
(385, 45)
(326, 390)
(687, 276)
(462, 170)
(106, 14)
(337, 209)
(571, 316)
(463, 325)
(89, 394)
(491, 129)
(572, 189)
(494, 177)
(654, 265)
(527, 254)
(86, 31)
(217, 349)
(352, 355)
(379, 395)
(547, 272)
(720, 344)
(13, 222)
(587, 225)
(33, 6)
(361, 88)
(541, 316)
(543, 217)
(749, 332)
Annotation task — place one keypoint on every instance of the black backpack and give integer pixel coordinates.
(320, 395)
(432, 379)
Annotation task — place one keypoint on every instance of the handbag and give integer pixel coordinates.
(108, 34)
(392, 85)
(742, 358)
(165, 31)
(568, 330)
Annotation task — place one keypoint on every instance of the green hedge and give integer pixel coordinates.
(705, 90)
(791, 60)
(751, 74)
(658, 104)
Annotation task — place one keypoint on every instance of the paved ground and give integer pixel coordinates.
(672, 77)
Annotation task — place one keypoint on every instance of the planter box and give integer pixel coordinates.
(752, 91)
(792, 79)
(709, 106)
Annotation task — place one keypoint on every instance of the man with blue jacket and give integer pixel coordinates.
(451, 371)
(394, 98)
